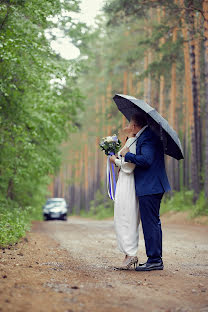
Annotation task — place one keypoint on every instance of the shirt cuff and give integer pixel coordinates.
(118, 162)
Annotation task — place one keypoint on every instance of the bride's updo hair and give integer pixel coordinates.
(139, 119)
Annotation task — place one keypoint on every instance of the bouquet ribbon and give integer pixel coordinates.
(111, 179)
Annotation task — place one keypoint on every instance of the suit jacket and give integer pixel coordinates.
(150, 174)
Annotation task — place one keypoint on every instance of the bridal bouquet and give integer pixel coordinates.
(110, 145)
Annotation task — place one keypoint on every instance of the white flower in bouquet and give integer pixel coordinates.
(110, 144)
(109, 139)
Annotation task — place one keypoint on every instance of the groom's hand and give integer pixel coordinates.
(124, 151)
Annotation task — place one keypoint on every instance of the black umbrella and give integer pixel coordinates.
(129, 105)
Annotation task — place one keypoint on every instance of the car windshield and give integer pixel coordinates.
(55, 202)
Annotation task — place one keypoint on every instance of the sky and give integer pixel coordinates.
(89, 10)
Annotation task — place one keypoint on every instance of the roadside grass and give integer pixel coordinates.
(183, 201)
(102, 207)
(15, 221)
(100, 214)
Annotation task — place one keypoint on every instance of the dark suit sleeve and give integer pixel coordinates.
(145, 158)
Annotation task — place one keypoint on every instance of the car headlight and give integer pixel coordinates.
(64, 210)
(55, 210)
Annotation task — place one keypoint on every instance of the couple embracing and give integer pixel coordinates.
(142, 182)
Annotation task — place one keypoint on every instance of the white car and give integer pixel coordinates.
(55, 208)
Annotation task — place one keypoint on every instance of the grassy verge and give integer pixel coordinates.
(15, 221)
(183, 201)
(103, 213)
(102, 207)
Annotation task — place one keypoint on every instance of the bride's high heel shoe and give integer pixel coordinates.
(129, 262)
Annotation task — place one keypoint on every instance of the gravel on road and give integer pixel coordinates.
(70, 266)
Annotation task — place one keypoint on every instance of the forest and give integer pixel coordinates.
(156, 51)
(55, 111)
(37, 112)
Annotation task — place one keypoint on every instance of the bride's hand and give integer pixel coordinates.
(113, 158)
(131, 135)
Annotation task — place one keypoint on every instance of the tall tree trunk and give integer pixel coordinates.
(125, 84)
(51, 186)
(138, 88)
(10, 191)
(188, 98)
(97, 151)
(146, 78)
(77, 184)
(149, 84)
(86, 174)
(90, 174)
(198, 26)
(108, 101)
(131, 85)
(161, 14)
(150, 59)
(103, 132)
(173, 166)
(185, 139)
(173, 86)
(192, 92)
(125, 91)
(205, 9)
(195, 143)
(70, 210)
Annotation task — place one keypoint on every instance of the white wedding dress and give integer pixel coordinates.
(126, 207)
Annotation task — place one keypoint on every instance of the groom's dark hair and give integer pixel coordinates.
(139, 119)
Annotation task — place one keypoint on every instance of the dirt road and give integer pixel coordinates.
(69, 266)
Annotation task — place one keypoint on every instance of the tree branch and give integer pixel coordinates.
(6, 16)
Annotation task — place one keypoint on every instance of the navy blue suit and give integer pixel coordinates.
(151, 182)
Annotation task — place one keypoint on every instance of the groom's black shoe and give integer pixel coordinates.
(150, 266)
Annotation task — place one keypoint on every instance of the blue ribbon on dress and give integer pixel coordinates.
(111, 179)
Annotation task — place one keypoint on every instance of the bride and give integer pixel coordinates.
(126, 207)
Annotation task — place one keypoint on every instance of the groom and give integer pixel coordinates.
(151, 183)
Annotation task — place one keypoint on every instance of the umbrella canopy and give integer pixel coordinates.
(129, 105)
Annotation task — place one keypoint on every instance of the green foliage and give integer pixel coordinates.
(119, 10)
(39, 104)
(180, 201)
(201, 206)
(39, 97)
(130, 34)
(183, 201)
(100, 208)
(15, 221)
(136, 18)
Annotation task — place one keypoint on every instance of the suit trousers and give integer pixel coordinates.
(149, 206)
